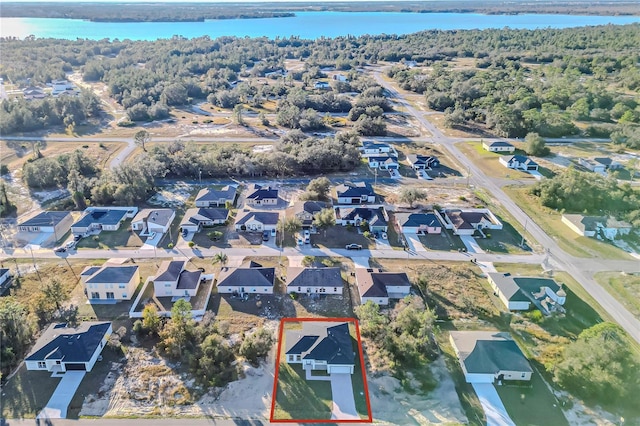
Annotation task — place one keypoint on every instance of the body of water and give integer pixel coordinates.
(308, 25)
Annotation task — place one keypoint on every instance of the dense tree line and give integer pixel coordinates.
(23, 115)
(147, 77)
(579, 192)
(47, 172)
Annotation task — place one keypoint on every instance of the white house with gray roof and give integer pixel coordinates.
(250, 277)
(98, 219)
(314, 280)
(258, 195)
(489, 356)
(257, 221)
(209, 197)
(173, 280)
(110, 283)
(153, 220)
(509, 292)
(196, 219)
(499, 146)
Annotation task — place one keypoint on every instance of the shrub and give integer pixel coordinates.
(256, 345)
(170, 245)
(191, 244)
(126, 123)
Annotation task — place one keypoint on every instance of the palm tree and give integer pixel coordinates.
(220, 258)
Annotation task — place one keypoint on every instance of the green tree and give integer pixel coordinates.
(54, 292)
(535, 145)
(257, 345)
(220, 258)
(16, 332)
(178, 330)
(150, 319)
(237, 115)
(290, 225)
(324, 219)
(141, 138)
(320, 186)
(411, 195)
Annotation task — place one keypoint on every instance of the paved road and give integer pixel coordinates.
(566, 262)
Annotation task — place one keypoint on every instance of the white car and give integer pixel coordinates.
(384, 235)
(273, 232)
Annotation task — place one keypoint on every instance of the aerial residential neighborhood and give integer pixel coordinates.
(357, 220)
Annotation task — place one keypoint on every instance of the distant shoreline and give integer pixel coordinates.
(199, 12)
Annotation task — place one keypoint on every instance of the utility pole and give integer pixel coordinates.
(375, 179)
(526, 221)
(468, 175)
(200, 176)
(33, 259)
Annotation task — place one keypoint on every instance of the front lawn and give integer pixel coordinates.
(339, 236)
(624, 287)
(122, 238)
(532, 405)
(444, 241)
(297, 398)
(26, 393)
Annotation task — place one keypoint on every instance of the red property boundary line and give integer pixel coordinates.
(364, 375)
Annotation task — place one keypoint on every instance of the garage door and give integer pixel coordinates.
(345, 369)
(75, 366)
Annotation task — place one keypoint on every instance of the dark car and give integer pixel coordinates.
(60, 249)
(353, 247)
(185, 233)
(265, 236)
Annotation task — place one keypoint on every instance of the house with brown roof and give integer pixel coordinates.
(467, 221)
(378, 287)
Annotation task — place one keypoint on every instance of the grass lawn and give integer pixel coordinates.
(489, 162)
(532, 405)
(551, 222)
(297, 398)
(505, 240)
(624, 287)
(122, 238)
(339, 236)
(26, 393)
(445, 241)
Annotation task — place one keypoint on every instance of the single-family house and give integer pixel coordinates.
(588, 226)
(383, 162)
(62, 348)
(196, 219)
(377, 218)
(499, 146)
(257, 221)
(33, 93)
(340, 77)
(250, 277)
(209, 197)
(599, 164)
(378, 287)
(423, 162)
(509, 292)
(5, 279)
(314, 280)
(546, 294)
(355, 193)
(375, 148)
(319, 346)
(305, 211)
(608, 163)
(258, 195)
(323, 85)
(62, 87)
(416, 223)
(55, 223)
(468, 221)
(276, 73)
(173, 280)
(153, 220)
(489, 356)
(97, 219)
(110, 283)
(519, 162)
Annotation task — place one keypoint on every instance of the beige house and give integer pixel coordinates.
(110, 283)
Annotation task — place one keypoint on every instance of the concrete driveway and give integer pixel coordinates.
(344, 406)
(360, 261)
(471, 244)
(492, 405)
(414, 242)
(57, 406)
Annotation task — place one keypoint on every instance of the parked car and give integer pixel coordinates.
(300, 240)
(384, 235)
(273, 232)
(185, 232)
(265, 236)
(353, 247)
(59, 249)
(152, 235)
(70, 245)
(77, 238)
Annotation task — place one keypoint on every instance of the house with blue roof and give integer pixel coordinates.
(320, 346)
(44, 228)
(110, 283)
(97, 219)
(64, 348)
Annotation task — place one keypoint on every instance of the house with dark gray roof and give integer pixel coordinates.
(306, 210)
(250, 277)
(375, 148)
(61, 348)
(422, 162)
(196, 219)
(414, 223)
(355, 193)
(518, 162)
(378, 287)
(508, 291)
(173, 280)
(258, 195)
(153, 220)
(499, 146)
(252, 220)
(383, 162)
(44, 228)
(110, 283)
(489, 356)
(377, 218)
(321, 346)
(321, 280)
(209, 197)
(98, 219)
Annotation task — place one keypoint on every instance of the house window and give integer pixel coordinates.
(124, 295)
(42, 364)
(168, 285)
(57, 362)
(298, 357)
(335, 289)
(522, 376)
(121, 286)
(299, 289)
(95, 295)
(110, 295)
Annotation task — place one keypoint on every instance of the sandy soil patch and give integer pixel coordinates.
(172, 195)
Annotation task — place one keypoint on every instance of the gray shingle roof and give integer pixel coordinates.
(188, 280)
(45, 219)
(303, 344)
(266, 218)
(113, 274)
(336, 348)
(257, 192)
(69, 344)
(465, 219)
(247, 277)
(196, 215)
(501, 144)
(354, 189)
(313, 277)
(162, 217)
(101, 216)
(488, 352)
(170, 270)
(417, 219)
(375, 217)
(508, 287)
(207, 194)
